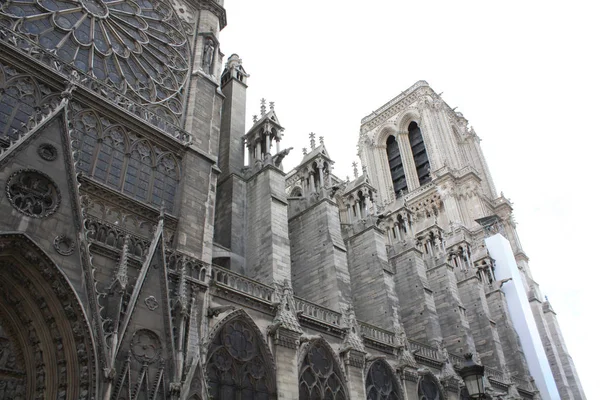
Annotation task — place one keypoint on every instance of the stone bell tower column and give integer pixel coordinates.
(202, 118)
(230, 210)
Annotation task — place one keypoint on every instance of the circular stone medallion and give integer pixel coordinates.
(32, 193)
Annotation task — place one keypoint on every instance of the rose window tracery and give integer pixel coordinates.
(138, 47)
(236, 367)
(380, 382)
(320, 376)
(428, 389)
(33, 193)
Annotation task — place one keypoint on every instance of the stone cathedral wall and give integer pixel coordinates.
(140, 258)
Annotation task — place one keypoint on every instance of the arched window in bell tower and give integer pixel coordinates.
(396, 168)
(419, 153)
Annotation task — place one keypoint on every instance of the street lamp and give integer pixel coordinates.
(472, 374)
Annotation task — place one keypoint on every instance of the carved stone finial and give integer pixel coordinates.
(304, 151)
(352, 340)
(312, 140)
(355, 169)
(255, 118)
(121, 277)
(263, 107)
(272, 105)
(321, 140)
(347, 179)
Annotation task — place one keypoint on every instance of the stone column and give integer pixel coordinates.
(285, 352)
(355, 363)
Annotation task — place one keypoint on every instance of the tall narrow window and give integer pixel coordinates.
(380, 382)
(111, 155)
(139, 171)
(419, 153)
(428, 389)
(320, 375)
(396, 168)
(236, 365)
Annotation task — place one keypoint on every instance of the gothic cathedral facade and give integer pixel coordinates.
(152, 247)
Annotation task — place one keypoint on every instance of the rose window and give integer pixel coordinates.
(33, 193)
(138, 47)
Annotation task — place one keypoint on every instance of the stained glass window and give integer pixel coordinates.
(236, 368)
(138, 47)
(381, 384)
(21, 97)
(110, 159)
(320, 375)
(428, 389)
(135, 167)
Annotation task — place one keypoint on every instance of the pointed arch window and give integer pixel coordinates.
(381, 384)
(395, 164)
(428, 389)
(23, 100)
(236, 368)
(320, 376)
(110, 158)
(419, 152)
(140, 170)
(87, 131)
(164, 185)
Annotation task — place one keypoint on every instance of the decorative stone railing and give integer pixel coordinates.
(318, 312)
(111, 236)
(465, 170)
(424, 350)
(242, 284)
(37, 52)
(194, 268)
(455, 360)
(419, 190)
(375, 333)
(496, 375)
(521, 383)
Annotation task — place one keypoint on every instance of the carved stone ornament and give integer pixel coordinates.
(145, 346)
(33, 193)
(47, 151)
(151, 303)
(64, 245)
(137, 47)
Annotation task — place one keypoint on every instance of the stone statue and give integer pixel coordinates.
(207, 57)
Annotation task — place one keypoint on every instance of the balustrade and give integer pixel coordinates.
(424, 350)
(318, 312)
(242, 283)
(376, 333)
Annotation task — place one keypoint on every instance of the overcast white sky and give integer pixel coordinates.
(526, 74)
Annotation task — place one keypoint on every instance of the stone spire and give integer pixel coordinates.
(355, 168)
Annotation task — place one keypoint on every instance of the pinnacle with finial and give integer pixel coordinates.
(255, 118)
(355, 168)
(304, 151)
(272, 105)
(321, 140)
(263, 107)
(312, 140)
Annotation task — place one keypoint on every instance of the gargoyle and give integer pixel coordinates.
(278, 158)
(215, 311)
